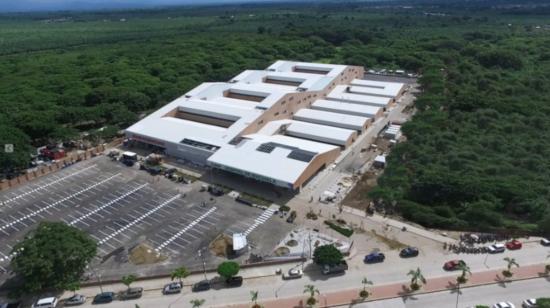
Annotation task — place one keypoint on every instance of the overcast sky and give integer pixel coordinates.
(40, 5)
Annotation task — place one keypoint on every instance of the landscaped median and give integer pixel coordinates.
(401, 289)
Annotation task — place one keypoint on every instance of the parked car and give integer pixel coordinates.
(408, 252)
(545, 242)
(10, 305)
(75, 300)
(504, 305)
(375, 257)
(529, 303)
(172, 288)
(496, 248)
(513, 245)
(453, 265)
(203, 285)
(131, 293)
(236, 281)
(47, 302)
(293, 273)
(104, 298)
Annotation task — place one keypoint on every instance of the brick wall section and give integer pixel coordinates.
(41, 171)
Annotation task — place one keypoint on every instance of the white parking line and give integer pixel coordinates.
(142, 217)
(46, 185)
(37, 212)
(261, 219)
(107, 204)
(180, 233)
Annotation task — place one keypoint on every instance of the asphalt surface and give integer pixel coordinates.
(121, 207)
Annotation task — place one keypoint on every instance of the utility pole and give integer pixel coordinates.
(203, 263)
(457, 292)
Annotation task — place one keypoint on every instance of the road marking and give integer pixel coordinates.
(137, 220)
(181, 232)
(107, 205)
(37, 212)
(46, 185)
(261, 219)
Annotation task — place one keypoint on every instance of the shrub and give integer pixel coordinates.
(344, 231)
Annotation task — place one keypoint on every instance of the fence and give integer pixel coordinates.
(71, 158)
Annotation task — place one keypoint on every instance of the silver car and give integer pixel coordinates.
(75, 300)
(172, 288)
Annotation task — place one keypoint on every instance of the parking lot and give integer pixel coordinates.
(121, 207)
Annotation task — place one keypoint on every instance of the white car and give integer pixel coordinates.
(545, 242)
(293, 274)
(504, 305)
(48, 302)
(496, 248)
(529, 303)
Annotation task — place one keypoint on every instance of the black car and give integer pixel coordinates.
(201, 286)
(374, 257)
(236, 281)
(408, 252)
(104, 298)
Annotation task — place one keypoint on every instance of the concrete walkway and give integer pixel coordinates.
(401, 289)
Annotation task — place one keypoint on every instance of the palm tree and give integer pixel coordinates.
(312, 290)
(364, 293)
(416, 278)
(179, 273)
(196, 303)
(128, 280)
(254, 299)
(462, 266)
(510, 262)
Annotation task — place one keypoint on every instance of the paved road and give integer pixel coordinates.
(515, 292)
(271, 287)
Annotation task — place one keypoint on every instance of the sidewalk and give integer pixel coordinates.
(401, 289)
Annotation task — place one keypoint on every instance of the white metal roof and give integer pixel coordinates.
(340, 93)
(320, 133)
(346, 108)
(275, 165)
(288, 66)
(382, 88)
(331, 118)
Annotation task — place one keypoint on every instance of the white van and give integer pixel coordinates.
(48, 302)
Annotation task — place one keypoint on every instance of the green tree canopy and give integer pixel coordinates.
(327, 254)
(228, 269)
(54, 255)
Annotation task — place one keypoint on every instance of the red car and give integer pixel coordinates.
(453, 265)
(513, 245)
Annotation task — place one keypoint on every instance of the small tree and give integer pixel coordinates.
(327, 255)
(416, 279)
(128, 280)
(196, 303)
(179, 273)
(510, 262)
(311, 301)
(52, 256)
(228, 269)
(254, 299)
(364, 293)
(465, 271)
(547, 266)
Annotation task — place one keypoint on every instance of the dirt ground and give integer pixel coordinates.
(144, 254)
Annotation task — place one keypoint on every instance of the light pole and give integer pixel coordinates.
(457, 292)
(203, 263)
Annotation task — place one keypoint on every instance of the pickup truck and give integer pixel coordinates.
(335, 269)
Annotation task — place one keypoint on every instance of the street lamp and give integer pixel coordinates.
(203, 262)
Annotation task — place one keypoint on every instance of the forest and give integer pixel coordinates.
(477, 155)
